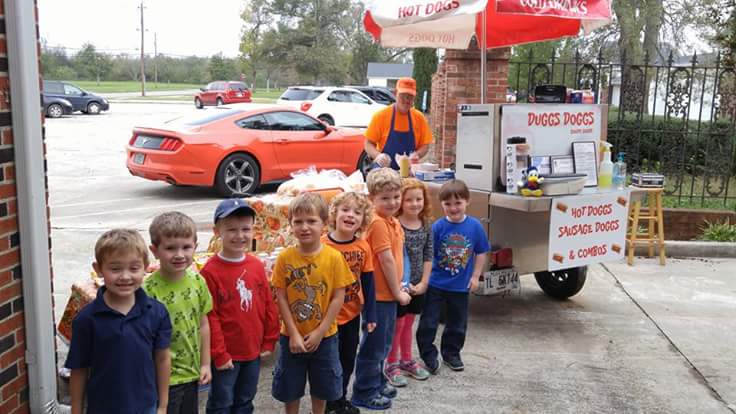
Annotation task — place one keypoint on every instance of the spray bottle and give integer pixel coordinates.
(619, 172)
(605, 171)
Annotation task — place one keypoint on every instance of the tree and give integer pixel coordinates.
(425, 65)
(89, 64)
(256, 19)
(723, 13)
(309, 36)
(222, 68)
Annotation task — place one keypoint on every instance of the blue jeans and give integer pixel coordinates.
(456, 325)
(232, 390)
(374, 348)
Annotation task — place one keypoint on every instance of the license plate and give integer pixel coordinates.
(138, 158)
(500, 281)
(239, 94)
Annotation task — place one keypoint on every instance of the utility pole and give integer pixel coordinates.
(155, 59)
(143, 55)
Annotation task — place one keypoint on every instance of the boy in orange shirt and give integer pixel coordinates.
(386, 238)
(350, 214)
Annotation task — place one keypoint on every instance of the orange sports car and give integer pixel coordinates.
(236, 148)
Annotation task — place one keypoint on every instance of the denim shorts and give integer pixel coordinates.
(322, 367)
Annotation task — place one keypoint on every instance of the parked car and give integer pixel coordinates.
(235, 149)
(379, 94)
(81, 100)
(54, 107)
(222, 93)
(333, 105)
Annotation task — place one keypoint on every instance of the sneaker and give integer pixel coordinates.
(349, 408)
(433, 367)
(378, 403)
(414, 370)
(455, 363)
(389, 391)
(394, 376)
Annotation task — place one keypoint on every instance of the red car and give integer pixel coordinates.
(237, 149)
(222, 93)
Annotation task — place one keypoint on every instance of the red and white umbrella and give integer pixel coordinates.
(450, 24)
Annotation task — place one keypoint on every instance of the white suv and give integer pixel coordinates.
(336, 106)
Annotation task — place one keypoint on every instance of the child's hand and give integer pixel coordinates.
(313, 339)
(418, 289)
(296, 344)
(160, 410)
(265, 354)
(404, 298)
(473, 284)
(205, 374)
(227, 365)
(370, 326)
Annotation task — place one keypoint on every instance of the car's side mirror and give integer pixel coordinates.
(202, 89)
(329, 129)
(84, 93)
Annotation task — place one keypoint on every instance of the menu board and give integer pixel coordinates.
(587, 229)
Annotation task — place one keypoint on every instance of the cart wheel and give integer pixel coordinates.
(561, 284)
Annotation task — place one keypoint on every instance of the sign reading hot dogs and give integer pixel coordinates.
(550, 128)
(587, 229)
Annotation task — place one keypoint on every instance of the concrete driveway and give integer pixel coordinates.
(636, 339)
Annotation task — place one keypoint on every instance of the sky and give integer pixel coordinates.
(182, 27)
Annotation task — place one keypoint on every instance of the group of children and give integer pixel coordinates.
(347, 301)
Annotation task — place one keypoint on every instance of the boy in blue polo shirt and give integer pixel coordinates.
(119, 354)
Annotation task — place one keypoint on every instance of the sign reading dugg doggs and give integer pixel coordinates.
(587, 229)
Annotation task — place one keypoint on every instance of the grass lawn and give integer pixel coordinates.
(260, 96)
(132, 86)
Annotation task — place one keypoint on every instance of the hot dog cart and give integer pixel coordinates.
(555, 237)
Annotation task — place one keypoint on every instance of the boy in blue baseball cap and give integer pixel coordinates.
(244, 323)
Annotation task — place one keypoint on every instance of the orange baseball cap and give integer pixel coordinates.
(406, 85)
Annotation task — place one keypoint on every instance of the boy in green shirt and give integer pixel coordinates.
(185, 295)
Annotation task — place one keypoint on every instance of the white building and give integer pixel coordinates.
(386, 74)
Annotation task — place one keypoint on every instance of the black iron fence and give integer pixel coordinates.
(676, 117)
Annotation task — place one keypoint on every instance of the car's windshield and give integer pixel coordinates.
(213, 115)
(297, 94)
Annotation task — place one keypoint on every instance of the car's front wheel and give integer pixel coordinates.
(93, 108)
(198, 103)
(238, 175)
(219, 102)
(54, 111)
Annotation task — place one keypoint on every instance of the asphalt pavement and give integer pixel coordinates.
(646, 338)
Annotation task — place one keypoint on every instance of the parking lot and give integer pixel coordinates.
(636, 339)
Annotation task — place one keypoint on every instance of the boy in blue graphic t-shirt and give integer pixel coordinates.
(460, 250)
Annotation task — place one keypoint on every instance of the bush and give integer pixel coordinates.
(720, 232)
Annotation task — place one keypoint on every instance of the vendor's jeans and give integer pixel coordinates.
(374, 348)
(232, 390)
(456, 325)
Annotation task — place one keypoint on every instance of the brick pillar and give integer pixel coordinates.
(14, 392)
(457, 81)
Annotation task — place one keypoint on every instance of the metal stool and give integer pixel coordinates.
(653, 215)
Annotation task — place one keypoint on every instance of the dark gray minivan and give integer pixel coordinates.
(80, 99)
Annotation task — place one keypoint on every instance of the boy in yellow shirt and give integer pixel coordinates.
(310, 281)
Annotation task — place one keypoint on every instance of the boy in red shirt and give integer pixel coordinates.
(243, 321)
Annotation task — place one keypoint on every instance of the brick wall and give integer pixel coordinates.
(13, 376)
(457, 81)
(686, 224)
